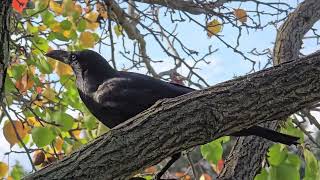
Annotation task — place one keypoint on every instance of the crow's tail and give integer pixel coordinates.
(268, 134)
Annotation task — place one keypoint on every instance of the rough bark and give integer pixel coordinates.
(174, 125)
(4, 42)
(245, 159)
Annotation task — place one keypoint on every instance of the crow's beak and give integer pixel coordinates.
(60, 55)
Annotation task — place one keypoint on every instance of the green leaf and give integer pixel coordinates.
(89, 122)
(66, 25)
(312, 167)
(212, 151)
(41, 43)
(63, 119)
(277, 154)
(17, 172)
(42, 136)
(31, 29)
(82, 25)
(9, 86)
(284, 172)
(16, 71)
(118, 30)
(293, 160)
(289, 129)
(262, 176)
(44, 66)
(47, 18)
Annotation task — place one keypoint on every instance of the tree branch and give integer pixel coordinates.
(177, 124)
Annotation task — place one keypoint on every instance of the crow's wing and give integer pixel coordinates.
(128, 94)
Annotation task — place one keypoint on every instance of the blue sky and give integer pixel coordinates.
(225, 64)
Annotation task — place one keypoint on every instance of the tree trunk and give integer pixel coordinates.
(246, 158)
(177, 124)
(4, 42)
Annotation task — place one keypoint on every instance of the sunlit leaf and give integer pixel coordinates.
(212, 151)
(214, 27)
(58, 144)
(241, 15)
(3, 169)
(63, 69)
(10, 129)
(87, 39)
(55, 7)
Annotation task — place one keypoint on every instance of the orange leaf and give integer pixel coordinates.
(10, 134)
(19, 5)
(63, 69)
(58, 144)
(26, 82)
(241, 15)
(214, 27)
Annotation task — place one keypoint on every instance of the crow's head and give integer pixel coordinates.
(81, 60)
(74, 57)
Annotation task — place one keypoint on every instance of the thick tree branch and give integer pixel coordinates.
(249, 152)
(290, 35)
(174, 125)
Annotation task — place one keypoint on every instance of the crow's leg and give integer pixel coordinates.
(173, 159)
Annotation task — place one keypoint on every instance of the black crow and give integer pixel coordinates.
(115, 96)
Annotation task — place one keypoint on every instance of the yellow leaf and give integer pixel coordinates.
(58, 144)
(42, 27)
(92, 16)
(52, 62)
(67, 33)
(56, 27)
(63, 69)
(92, 26)
(68, 7)
(76, 133)
(214, 27)
(3, 169)
(32, 121)
(49, 94)
(55, 7)
(10, 178)
(92, 20)
(87, 39)
(241, 15)
(10, 134)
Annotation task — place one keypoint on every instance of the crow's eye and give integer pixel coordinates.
(73, 57)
